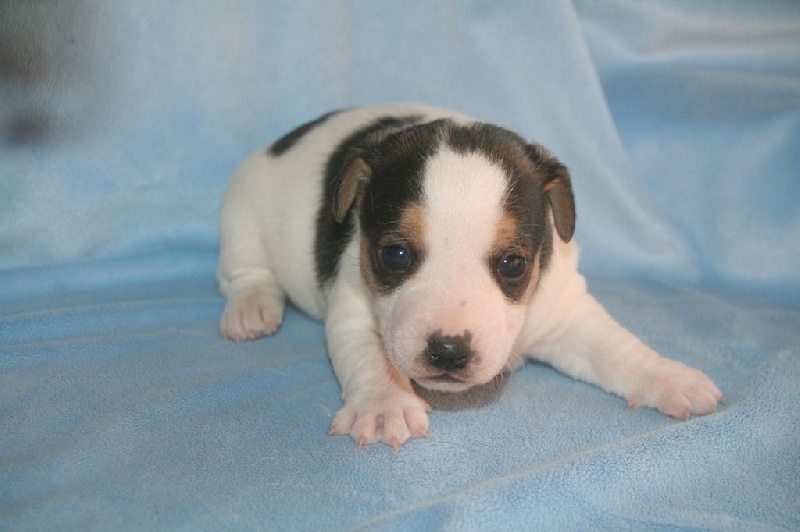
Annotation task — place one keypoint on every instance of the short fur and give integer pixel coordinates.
(438, 250)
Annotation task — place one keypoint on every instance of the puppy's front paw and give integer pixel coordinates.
(251, 314)
(677, 390)
(392, 418)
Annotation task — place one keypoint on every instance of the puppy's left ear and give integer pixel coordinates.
(557, 188)
(355, 175)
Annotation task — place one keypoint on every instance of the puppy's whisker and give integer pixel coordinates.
(499, 379)
(514, 361)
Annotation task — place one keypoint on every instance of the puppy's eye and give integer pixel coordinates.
(395, 257)
(512, 266)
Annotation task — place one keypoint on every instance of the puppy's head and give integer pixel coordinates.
(455, 228)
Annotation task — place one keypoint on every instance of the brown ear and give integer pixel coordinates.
(558, 190)
(355, 174)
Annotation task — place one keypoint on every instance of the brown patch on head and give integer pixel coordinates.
(506, 234)
(549, 182)
(533, 283)
(409, 232)
(414, 225)
(512, 244)
(367, 271)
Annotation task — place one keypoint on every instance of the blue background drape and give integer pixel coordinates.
(122, 407)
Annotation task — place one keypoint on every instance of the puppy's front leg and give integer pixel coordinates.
(589, 345)
(380, 404)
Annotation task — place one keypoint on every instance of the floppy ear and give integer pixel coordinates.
(355, 174)
(558, 191)
(557, 188)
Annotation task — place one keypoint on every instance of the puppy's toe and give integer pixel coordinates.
(392, 420)
(417, 421)
(678, 391)
(395, 429)
(342, 421)
(251, 315)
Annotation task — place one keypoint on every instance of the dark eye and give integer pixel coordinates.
(395, 257)
(512, 266)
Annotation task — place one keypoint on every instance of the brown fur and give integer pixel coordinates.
(411, 229)
(509, 239)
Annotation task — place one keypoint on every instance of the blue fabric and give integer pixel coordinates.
(121, 407)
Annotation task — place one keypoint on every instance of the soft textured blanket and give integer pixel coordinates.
(121, 407)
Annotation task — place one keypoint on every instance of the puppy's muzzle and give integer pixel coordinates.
(450, 353)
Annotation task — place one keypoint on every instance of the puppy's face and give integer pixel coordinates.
(455, 229)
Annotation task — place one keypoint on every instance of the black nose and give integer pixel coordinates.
(449, 353)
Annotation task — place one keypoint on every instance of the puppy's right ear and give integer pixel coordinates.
(355, 175)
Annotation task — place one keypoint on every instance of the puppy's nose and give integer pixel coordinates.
(449, 353)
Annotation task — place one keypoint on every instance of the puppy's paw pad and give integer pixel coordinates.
(251, 315)
(391, 420)
(678, 391)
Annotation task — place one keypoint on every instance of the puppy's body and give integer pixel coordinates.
(436, 249)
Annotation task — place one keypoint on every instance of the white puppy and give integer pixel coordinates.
(437, 250)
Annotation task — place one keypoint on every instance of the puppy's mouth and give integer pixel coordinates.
(445, 378)
(443, 382)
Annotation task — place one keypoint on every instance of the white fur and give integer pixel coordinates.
(454, 290)
(266, 252)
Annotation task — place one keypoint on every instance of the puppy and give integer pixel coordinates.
(437, 250)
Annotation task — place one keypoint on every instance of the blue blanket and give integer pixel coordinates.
(121, 407)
